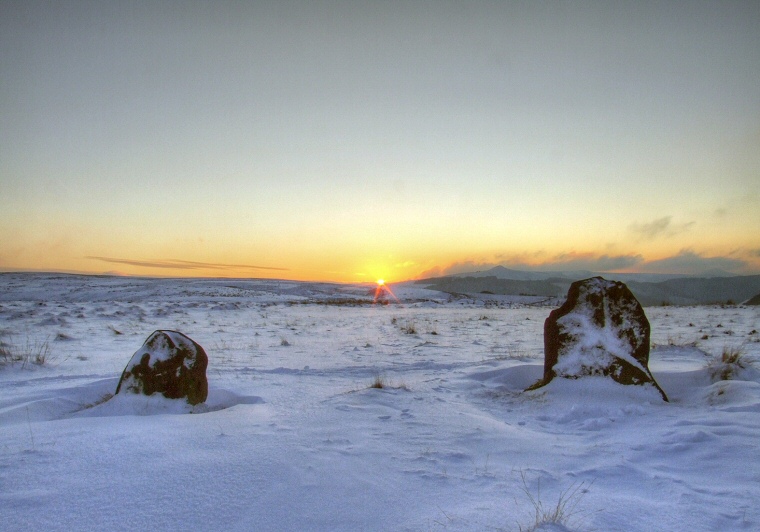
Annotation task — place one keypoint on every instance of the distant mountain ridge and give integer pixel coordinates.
(649, 289)
(500, 272)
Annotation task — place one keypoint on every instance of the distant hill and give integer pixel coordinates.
(754, 300)
(492, 285)
(500, 272)
(689, 291)
(674, 291)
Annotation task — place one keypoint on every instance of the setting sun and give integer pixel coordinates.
(383, 291)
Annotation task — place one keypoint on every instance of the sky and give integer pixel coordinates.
(351, 141)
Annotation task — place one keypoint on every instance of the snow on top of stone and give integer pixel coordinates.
(160, 350)
(594, 346)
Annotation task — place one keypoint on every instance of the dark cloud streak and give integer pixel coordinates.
(660, 226)
(175, 264)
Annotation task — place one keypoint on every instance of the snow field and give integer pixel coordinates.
(292, 437)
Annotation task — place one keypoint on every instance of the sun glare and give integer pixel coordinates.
(383, 291)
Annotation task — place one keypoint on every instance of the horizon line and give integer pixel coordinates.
(6, 270)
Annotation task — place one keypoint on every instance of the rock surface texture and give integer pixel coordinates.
(601, 329)
(169, 363)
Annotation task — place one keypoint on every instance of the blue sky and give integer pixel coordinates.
(349, 141)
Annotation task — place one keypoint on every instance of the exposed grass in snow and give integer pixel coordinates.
(380, 383)
(405, 326)
(27, 353)
(564, 513)
(729, 364)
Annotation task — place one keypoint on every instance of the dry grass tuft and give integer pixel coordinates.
(380, 383)
(563, 514)
(729, 364)
(30, 352)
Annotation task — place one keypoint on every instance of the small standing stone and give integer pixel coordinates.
(601, 329)
(169, 363)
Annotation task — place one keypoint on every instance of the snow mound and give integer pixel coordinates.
(157, 404)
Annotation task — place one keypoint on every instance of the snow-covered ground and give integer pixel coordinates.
(292, 436)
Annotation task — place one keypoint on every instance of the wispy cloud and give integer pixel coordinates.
(176, 264)
(591, 261)
(660, 227)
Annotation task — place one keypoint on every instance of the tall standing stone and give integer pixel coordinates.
(601, 329)
(169, 363)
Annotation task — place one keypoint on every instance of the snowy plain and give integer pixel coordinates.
(292, 436)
